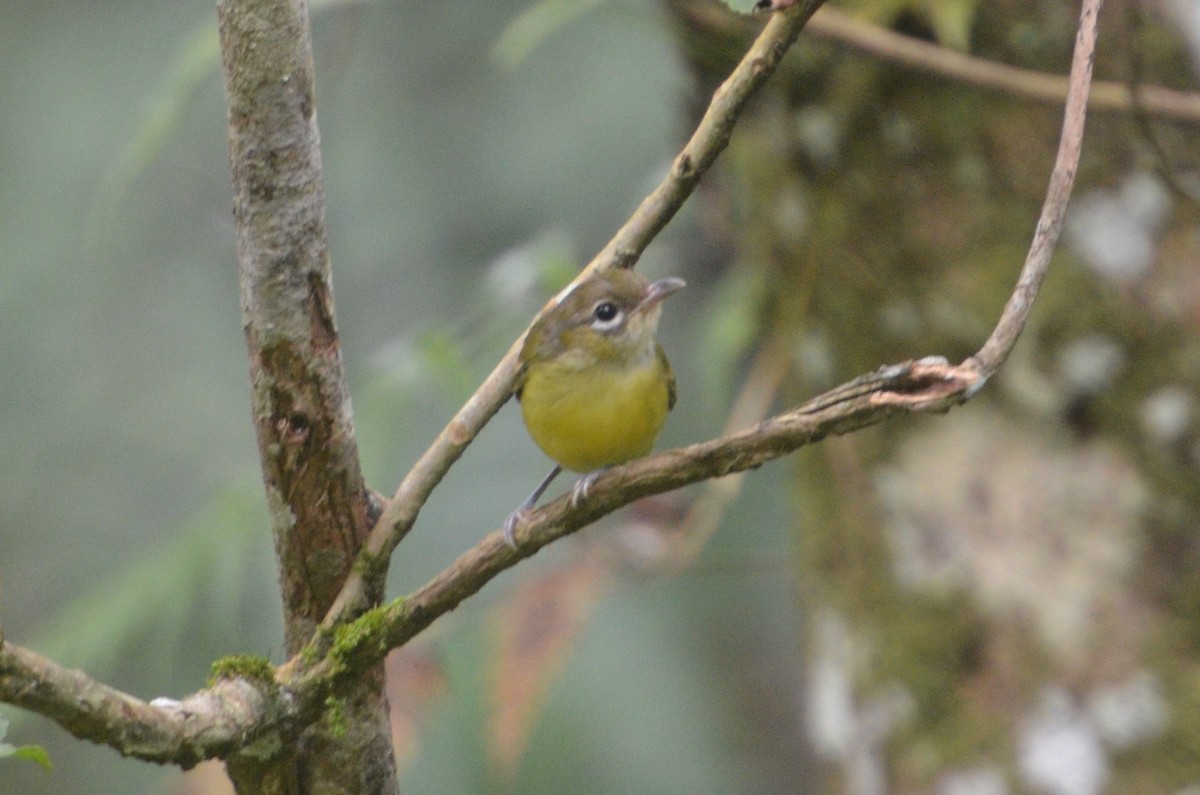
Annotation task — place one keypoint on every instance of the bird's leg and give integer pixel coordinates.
(580, 490)
(510, 524)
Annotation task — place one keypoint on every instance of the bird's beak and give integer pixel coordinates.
(659, 290)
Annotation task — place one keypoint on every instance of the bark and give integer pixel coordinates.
(319, 505)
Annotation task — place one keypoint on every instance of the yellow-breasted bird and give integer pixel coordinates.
(595, 386)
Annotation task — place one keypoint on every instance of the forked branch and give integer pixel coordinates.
(924, 385)
(622, 251)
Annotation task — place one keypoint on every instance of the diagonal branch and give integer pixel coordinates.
(656, 210)
(920, 386)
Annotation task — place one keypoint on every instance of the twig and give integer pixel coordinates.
(1106, 96)
(1012, 321)
(926, 385)
(623, 250)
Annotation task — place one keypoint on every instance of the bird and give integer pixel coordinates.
(594, 384)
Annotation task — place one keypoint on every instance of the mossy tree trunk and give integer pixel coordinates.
(1004, 597)
(319, 504)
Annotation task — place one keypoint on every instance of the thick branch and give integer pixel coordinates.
(656, 210)
(215, 721)
(318, 502)
(315, 491)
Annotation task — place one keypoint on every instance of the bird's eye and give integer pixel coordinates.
(605, 311)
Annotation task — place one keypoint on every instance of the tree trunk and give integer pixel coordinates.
(319, 505)
(1002, 599)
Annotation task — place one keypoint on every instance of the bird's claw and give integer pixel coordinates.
(510, 525)
(580, 491)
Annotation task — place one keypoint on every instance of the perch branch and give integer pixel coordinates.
(623, 250)
(926, 385)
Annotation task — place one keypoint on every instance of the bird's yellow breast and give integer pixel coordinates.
(588, 417)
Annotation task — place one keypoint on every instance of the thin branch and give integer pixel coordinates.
(926, 385)
(656, 210)
(1106, 96)
(1012, 321)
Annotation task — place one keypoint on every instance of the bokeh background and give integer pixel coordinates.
(462, 191)
(929, 606)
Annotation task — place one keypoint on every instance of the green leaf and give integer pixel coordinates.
(34, 753)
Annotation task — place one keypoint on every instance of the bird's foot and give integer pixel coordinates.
(522, 511)
(510, 524)
(580, 491)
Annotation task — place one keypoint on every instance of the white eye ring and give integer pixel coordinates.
(607, 316)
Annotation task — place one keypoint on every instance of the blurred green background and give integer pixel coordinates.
(464, 184)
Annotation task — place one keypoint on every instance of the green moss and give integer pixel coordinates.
(369, 629)
(311, 653)
(335, 716)
(253, 668)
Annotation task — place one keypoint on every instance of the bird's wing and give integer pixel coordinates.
(671, 392)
